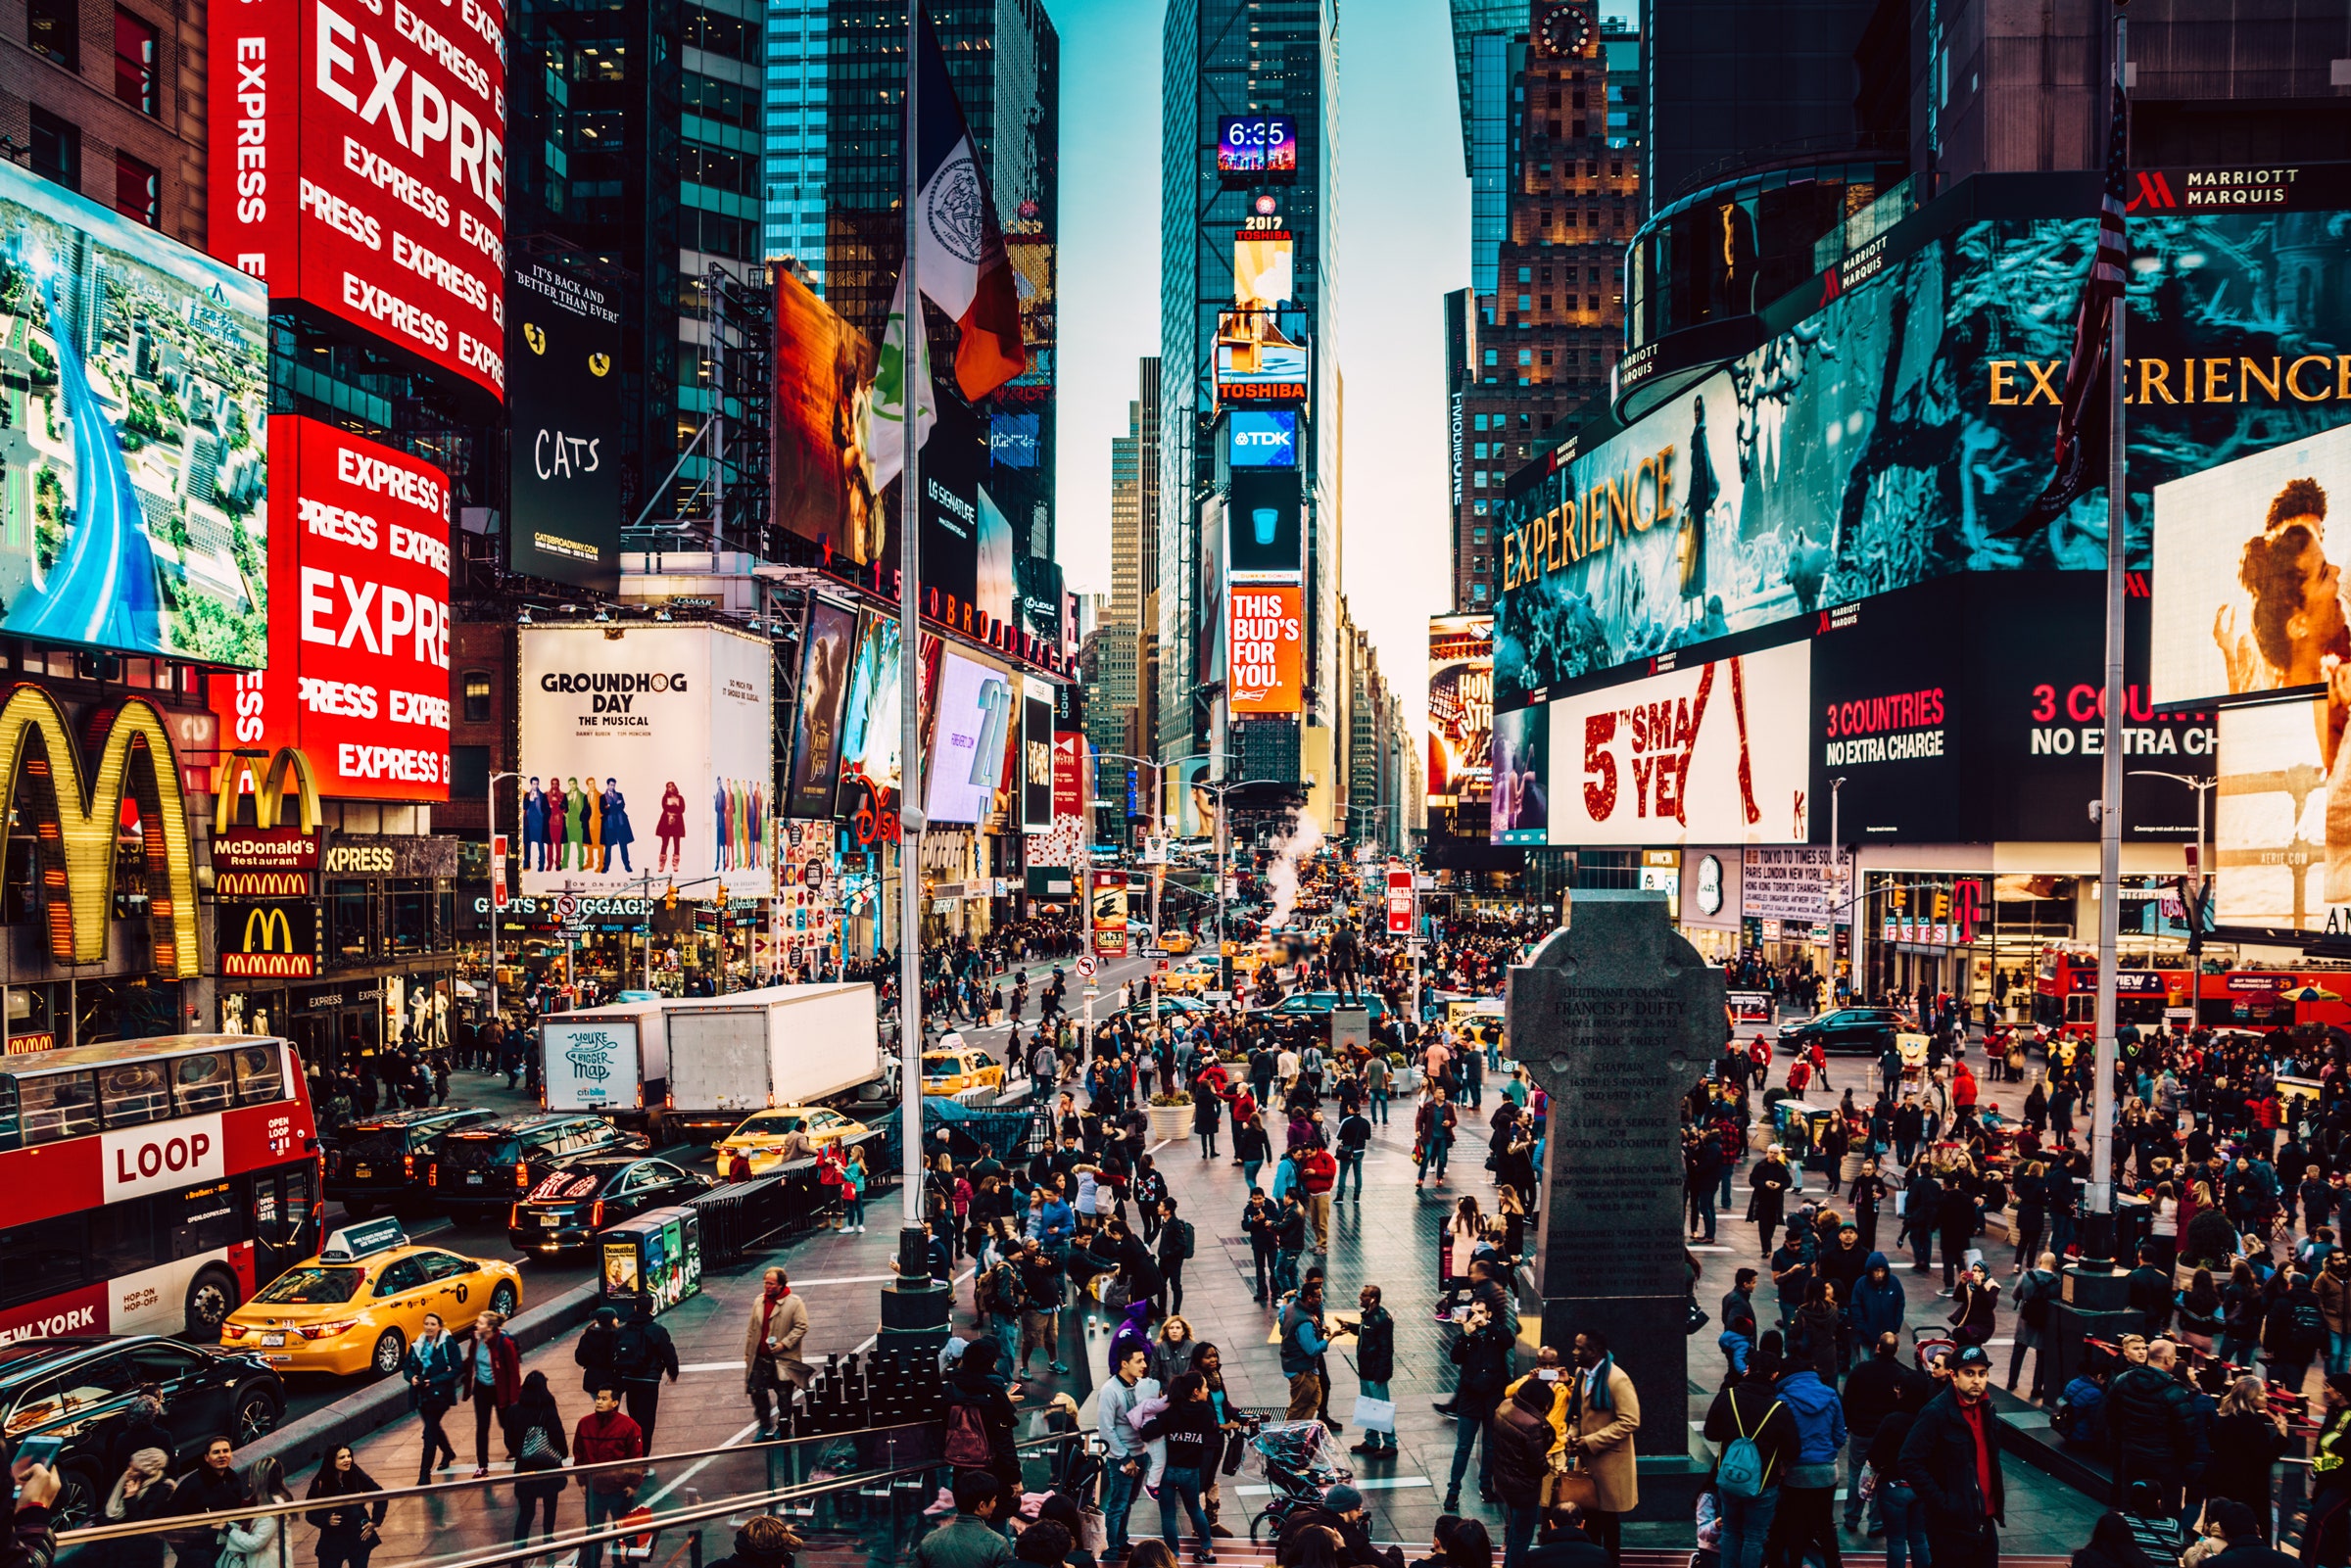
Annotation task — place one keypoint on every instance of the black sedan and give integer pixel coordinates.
(567, 1209)
(1846, 1031)
(84, 1391)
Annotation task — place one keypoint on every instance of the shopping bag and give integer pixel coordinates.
(1375, 1416)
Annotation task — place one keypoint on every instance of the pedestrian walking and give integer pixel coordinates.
(1355, 1137)
(432, 1370)
(1176, 1245)
(1951, 1459)
(1602, 1417)
(492, 1378)
(771, 1349)
(1375, 1366)
(1482, 1351)
(212, 1487)
(597, 1351)
(605, 1436)
(1433, 1126)
(535, 1437)
(642, 1355)
(1766, 1204)
(1755, 1443)
(348, 1529)
(1208, 1114)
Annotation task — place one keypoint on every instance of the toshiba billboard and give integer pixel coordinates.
(359, 163)
(358, 618)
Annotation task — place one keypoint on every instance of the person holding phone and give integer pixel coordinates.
(27, 1540)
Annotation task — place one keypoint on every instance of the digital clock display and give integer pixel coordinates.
(1257, 148)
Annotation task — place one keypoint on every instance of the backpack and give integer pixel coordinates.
(2034, 1309)
(966, 1438)
(1742, 1472)
(1183, 1228)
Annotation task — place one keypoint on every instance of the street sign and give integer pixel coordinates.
(498, 871)
(1400, 901)
(1086, 966)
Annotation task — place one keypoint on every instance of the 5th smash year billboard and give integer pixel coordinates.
(1893, 432)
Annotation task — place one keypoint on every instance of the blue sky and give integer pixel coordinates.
(1402, 241)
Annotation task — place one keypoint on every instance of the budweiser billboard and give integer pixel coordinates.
(359, 163)
(358, 618)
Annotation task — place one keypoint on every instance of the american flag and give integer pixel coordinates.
(2083, 414)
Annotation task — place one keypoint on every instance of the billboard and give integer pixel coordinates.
(359, 163)
(828, 648)
(563, 402)
(1257, 361)
(1521, 794)
(2281, 825)
(823, 471)
(1461, 709)
(1012, 439)
(1037, 754)
(2247, 591)
(133, 464)
(1068, 774)
(1267, 649)
(1257, 149)
(1710, 753)
(974, 707)
(1108, 903)
(645, 753)
(1261, 438)
(871, 732)
(1889, 437)
(1264, 267)
(1265, 537)
(358, 618)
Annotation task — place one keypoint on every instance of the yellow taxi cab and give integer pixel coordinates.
(761, 1137)
(361, 1302)
(1176, 943)
(1188, 980)
(951, 1072)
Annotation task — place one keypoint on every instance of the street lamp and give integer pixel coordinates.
(490, 834)
(2202, 787)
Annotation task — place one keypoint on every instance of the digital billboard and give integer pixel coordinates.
(1264, 267)
(134, 466)
(1461, 709)
(1257, 149)
(823, 475)
(1068, 774)
(1012, 439)
(1261, 438)
(1893, 435)
(1710, 753)
(1267, 649)
(359, 163)
(2247, 594)
(976, 705)
(358, 618)
(828, 648)
(563, 403)
(1257, 361)
(1037, 754)
(871, 732)
(1521, 798)
(1264, 534)
(646, 750)
(2281, 823)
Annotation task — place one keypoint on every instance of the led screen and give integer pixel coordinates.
(975, 704)
(1257, 149)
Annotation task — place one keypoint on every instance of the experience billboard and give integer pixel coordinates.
(563, 403)
(829, 645)
(2248, 586)
(646, 749)
(1265, 535)
(1709, 753)
(1461, 709)
(1897, 432)
(1037, 754)
(823, 471)
(965, 756)
(1267, 647)
(135, 469)
(358, 165)
(358, 678)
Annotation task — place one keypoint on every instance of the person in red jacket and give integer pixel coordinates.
(492, 1378)
(1318, 1173)
(1963, 1094)
(606, 1433)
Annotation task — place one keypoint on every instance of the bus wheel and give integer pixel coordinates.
(388, 1353)
(212, 1297)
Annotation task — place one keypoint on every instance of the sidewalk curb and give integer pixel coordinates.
(301, 1444)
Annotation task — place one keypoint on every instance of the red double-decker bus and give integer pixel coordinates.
(2066, 996)
(151, 1185)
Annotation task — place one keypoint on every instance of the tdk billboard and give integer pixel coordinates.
(1262, 438)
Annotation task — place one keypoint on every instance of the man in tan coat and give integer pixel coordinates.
(771, 1348)
(1600, 1436)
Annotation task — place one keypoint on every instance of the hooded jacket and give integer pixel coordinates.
(1814, 1339)
(1877, 1304)
(1819, 1417)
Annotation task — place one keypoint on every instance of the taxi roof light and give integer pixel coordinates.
(364, 1240)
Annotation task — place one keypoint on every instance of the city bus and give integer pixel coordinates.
(152, 1185)
(2066, 995)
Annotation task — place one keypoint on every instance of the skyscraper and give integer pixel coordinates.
(1242, 56)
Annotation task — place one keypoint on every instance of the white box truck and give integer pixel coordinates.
(610, 1060)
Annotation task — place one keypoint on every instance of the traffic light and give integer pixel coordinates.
(1942, 907)
(669, 900)
(1898, 898)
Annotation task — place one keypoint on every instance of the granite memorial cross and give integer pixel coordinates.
(1615, 1016)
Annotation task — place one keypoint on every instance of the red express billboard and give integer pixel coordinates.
(358, 618)
(359, 163)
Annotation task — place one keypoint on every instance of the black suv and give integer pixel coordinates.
(568, 1208)
(373, 1164)
(1847, 1031)
(498, 1165)
(84, 1389)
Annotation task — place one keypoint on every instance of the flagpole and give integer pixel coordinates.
(913, 1254)
(2098, 1234)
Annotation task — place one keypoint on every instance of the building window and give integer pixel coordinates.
(53, 28)
(477, 697)
(56, 149)
(135, 62)
(138, 191)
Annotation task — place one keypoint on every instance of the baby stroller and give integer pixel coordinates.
(1298, 1466)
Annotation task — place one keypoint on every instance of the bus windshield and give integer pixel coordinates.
(313, 1286)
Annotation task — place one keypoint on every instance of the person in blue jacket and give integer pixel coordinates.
(1808, 1514)
(1877, 1304)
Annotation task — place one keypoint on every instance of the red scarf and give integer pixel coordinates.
(767, 1309)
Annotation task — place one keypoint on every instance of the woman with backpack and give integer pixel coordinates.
(2199, 1311)
(981, 1418)
(535, 1437)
